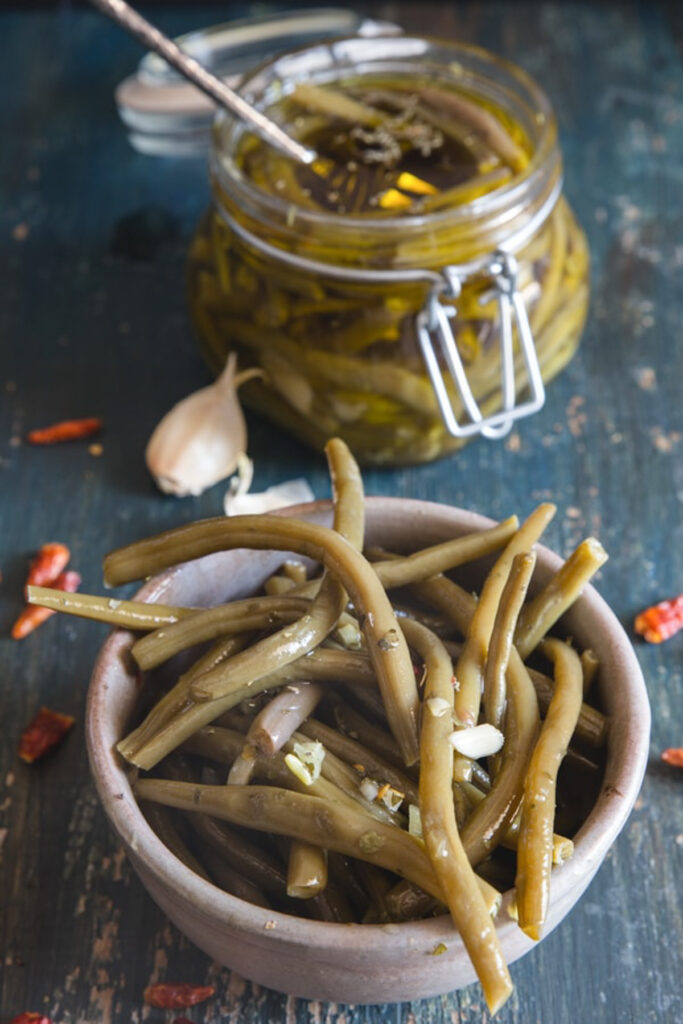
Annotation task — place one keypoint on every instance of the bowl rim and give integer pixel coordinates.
(621, 785)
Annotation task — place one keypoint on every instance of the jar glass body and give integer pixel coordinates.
(340, 353)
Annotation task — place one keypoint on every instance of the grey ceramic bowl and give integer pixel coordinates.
(341, 962)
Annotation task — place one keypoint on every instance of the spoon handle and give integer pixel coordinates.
(150, 36)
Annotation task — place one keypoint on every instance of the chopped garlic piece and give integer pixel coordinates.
(369, 789)
(291, 492)
(390, 797)
(311, 753)
(438, 706)
(414, 821)
(299, 769)
(479, 741)
(349, 635)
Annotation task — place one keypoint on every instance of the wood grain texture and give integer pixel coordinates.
(93, 322)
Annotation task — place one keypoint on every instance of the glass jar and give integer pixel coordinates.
(402, 331)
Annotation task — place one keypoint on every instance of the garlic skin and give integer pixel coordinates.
(239, 501)
(199, 441)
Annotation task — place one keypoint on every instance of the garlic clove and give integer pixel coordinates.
(477, 741)
(199, 441)
(291, 492)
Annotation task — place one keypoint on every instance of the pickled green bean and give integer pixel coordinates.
(165, 729)
(254, 613)
(324, 823)
(161, 822)
(502, 635)
(535, 845)
(444, 846)
(306, 870)
(469, 670)
(400, 571)
(176, 701)
(590, 665)
(541, 613)
(229, 879)
(116, 612)
(490, 820)
(386, 647)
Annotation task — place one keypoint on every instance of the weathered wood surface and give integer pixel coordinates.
(93, 322)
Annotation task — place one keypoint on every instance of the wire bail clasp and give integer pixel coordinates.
(433, 323)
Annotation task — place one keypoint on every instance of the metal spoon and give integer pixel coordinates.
(137, 26)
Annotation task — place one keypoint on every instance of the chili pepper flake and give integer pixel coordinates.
(30, 1018)
(66, 430)
(673, 756)
(47, 729)
(34, 615)
(661, 621)
(49, 562)
(177, 997)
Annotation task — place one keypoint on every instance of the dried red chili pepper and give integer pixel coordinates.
(46, 730)
(660, 621)
(67, 430)
(50, 560)
(33, 615)
(30, 1018)
(177, 997)
(673, 756)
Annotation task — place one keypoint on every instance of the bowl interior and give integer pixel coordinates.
(402, 525)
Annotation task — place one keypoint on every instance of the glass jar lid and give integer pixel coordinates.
(165, 115)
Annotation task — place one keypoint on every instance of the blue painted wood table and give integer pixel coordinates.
(93, 321)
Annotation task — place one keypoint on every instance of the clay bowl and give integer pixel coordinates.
(341, 962)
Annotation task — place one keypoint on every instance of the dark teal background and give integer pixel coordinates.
(93, 321)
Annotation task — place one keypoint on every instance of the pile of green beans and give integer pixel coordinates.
(322, 781)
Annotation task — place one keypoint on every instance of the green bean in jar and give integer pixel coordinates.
(430, 156)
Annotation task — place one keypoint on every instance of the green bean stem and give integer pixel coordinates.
(535, 842)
